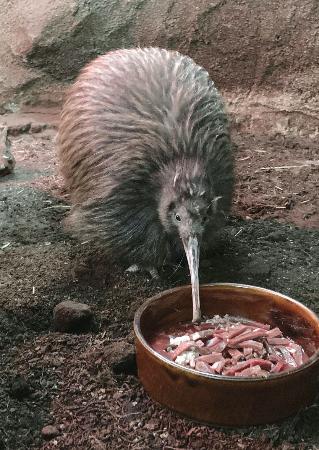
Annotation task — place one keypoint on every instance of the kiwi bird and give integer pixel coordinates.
(145, 151)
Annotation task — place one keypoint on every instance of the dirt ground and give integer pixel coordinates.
(70, 381)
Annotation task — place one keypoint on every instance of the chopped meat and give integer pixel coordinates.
(202, 366)
(262, 363)
(288, 358)
(274, 332)
(237, 330)
(210, 359)
(255, 324)
(280, 365)
(202, 334)
(219, 366)
(182, 348)
(227, 346)
(258, 332)
(252, 345)
(219, 347)
(247, 351)
(278, 341)
(212, 342)
(235, 354)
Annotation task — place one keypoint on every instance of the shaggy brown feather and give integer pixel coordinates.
(142, 130)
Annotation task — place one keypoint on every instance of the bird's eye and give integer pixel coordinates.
(178, 218)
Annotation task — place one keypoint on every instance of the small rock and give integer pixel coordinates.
(19, 388)
(258, 268)
(49, 432)
(121, 357)
(72, 317)
(152, 425)
(277, 236)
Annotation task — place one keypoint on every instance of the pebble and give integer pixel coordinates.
(277, 236)
(121, 358)
(19, 388)
(257, 267)
(49, 432)
(72, 317)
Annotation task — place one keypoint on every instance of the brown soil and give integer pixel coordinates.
(71, 381)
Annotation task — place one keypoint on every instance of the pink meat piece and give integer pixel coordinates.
(254, 345)
(183, 346)
(219, 331)
(274, 332)
(213, 341)
(273, 357)
(210, 359)
(249, 372)
(297, 353)
(200, 343)
(160, 342)
(286, 355)
(255, 371)
(202, 334)
(237, 367)
(202, 326)
(259, 332)
(192, 363)
(218, 347)
(278, 341)
(247, 351)
(219, 365)
(234, 353)
(164, 353)
(263, 363)
(278, 367)
(305, 357)
(235, 331)
(204, 350)
(202, 366)
(255, 324)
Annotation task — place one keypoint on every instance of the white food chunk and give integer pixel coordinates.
(186, 357)
(178, 340)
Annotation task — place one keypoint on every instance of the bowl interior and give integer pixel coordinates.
(175, 306)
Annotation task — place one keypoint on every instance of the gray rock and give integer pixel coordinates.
(49, 432)
(72, 317)
(277, 236)
(257, 268)
(19, 388)
(120, 356)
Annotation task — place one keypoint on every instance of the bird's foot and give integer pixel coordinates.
(134, 268)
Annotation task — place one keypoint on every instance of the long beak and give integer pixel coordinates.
(192, 252)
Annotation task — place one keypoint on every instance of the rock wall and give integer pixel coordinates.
(262, 55)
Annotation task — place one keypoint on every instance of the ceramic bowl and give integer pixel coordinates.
(224, 400)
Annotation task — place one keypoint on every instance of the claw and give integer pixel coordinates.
(134, 268)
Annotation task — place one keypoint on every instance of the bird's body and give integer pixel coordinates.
(145, 152)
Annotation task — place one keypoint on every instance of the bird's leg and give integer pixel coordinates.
(153, 272)
(5, 150)
(134, 268)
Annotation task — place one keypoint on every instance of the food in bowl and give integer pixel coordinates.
(230, 346)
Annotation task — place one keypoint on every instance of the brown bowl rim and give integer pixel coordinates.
(225, 378)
